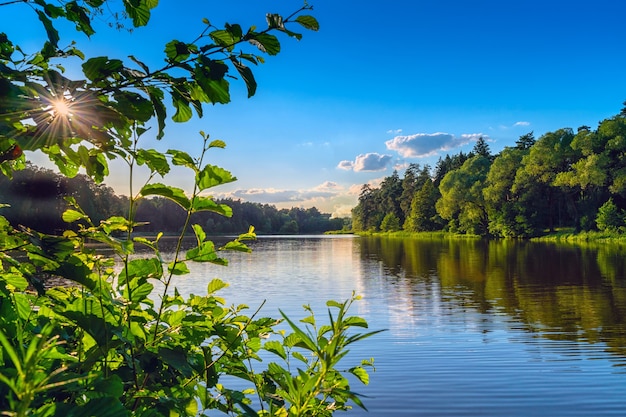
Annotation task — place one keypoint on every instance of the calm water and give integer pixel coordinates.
(474, 328)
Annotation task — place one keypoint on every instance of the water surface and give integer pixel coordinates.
(475, 328)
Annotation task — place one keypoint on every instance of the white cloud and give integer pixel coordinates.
(346, 165)
(266, 195)
(328, 197)
(395, 131)
(366, 162)
(421, 145)
(521, 124)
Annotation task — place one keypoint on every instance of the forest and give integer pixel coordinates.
(564, 179)
(36, 198)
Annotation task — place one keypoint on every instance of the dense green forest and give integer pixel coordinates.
(563, 179)
(36, 198)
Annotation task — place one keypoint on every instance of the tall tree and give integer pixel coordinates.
(505, 215)
(525, 141)
(390, 196)
(423, 216)
(462, 201)
(534, 181)
(481, 148)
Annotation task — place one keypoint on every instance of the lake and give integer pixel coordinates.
(474, 328)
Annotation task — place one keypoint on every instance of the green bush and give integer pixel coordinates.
(610, 218)
(117, 338)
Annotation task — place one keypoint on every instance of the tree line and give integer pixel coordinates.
(37, 197)
(563, 179)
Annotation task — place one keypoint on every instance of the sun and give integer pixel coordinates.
(61, 107)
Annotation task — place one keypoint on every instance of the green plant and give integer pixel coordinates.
(118, 339)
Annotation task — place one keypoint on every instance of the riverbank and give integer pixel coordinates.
(568, 235)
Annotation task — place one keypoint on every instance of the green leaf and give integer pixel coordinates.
(332, 303)
(139, 11)
(97, 407)
(248, 77)
(236, 246)
(183, 111)
(134, 106)
(361, 374)
(53, 35)
(200, 203)
(156, 97)
(218, 91)
(78, 15)
(144, 268)
(154, 159)
(305, 341)
(177, 268)
(177, 195)
(70, 216)
(181, 158)
(217, 144)
(205, 252)
(223, 38)
(266, 43)
(356, 321)
(215, 285)
(309, 22)
(199, 232)
(112, 386)
(177, 51)
(213, 175)
(15, 280)
(101, 67)
(300, 357)
(276, 348)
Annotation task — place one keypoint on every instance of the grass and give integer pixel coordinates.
(570, 235)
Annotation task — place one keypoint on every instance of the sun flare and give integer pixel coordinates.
(61, 107)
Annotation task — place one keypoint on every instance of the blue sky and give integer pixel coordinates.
(383, 84)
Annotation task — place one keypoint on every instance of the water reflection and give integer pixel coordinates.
(552, 291)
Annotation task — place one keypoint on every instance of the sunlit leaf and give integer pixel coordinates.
(139, 11)
(183, 111)
(200, 203)
(177, 51)
(177, 268)
(266, 43)
(154, 159)
(182, 158)
(215, 285)
(199, 232)
(177, 195)
(213, 175)
(356, 321)
(276, 348)
(205, 252)
(223, 38)
(217, 143)
(361, 374)
(145, 268)
(332, 303)
(70, 216)
(101, 67)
